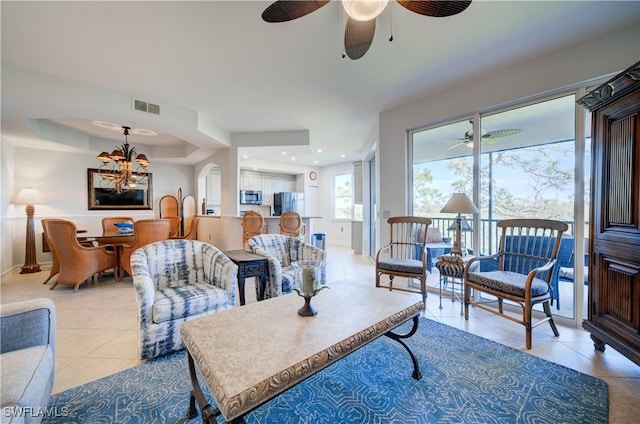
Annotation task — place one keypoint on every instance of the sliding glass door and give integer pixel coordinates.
(528, 162)
(526, 167)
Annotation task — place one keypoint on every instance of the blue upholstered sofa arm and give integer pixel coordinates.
(26, 324)
(28, 359)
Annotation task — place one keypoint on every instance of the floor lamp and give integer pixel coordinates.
(459, 203)
(29, 196)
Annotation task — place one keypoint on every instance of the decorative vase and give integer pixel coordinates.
(307, 278)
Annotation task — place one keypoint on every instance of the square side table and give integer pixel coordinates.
(451, 268)
(249, 265)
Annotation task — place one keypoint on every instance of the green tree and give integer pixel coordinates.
(427, 200)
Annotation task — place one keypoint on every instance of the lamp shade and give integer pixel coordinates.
(29, 196)
(460, 203)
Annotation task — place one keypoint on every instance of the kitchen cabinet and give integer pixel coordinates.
(250, 180)
(357, 182)
(614, 233)
(356, 237)
(280, 184)
(214, 188)
(268, 188)
(292, 184)
(268, 183)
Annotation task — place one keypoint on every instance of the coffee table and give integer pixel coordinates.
(251, 354)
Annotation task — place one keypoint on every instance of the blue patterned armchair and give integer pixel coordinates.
(280, 251)
(175, 281)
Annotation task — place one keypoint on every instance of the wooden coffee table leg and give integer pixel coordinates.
(417, 375)
(208, 413)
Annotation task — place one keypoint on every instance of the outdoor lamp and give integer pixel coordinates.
(459, 203)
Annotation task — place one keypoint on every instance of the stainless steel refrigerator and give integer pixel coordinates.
(288, 201)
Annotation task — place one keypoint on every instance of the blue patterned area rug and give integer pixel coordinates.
(466, 379)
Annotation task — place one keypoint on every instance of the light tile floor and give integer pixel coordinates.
(97, 330)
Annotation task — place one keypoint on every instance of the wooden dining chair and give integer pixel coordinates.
(145, 231)
(291, 224)
(191, 233)
(77, 263)
(174, 229)
(252, 225)
(189, 213)
(55, 260)
(109, 221)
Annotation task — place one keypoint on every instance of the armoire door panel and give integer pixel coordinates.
(614, 250)
(619, 288)
(621, 157)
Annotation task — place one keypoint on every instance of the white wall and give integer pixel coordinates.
(567, 67)
(62, 179)
(6, 208)
(338, 232)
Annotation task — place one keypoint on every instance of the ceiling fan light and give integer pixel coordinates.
(364, 10)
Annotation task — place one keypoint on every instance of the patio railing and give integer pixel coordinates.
(488, 232)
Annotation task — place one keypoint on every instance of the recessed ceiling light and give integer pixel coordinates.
(107, 125)
(118, 128)
(319, 150)
(283, 153)
(142, 131)
(343, 156)
(293, 158)
(245, 156)
(315, 161)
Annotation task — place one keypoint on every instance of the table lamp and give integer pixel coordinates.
(29, 196)
(459, 203)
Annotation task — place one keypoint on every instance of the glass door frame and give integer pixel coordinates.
(579, 180)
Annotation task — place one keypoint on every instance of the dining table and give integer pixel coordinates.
(116, 238)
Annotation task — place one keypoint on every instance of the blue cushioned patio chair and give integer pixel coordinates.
(564, 259)
(175, 281)
(526, 260)
(405, 255)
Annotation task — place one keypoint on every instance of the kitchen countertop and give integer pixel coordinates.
(265, 217)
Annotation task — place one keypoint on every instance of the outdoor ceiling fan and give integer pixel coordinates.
(488, 137)
(362, 14)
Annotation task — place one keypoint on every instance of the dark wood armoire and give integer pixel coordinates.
(614, 242)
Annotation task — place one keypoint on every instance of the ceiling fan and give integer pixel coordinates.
(488, 137)
(361, 20)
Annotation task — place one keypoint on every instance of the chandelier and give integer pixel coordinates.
(116, 172)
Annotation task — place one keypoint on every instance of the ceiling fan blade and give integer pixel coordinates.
(501, 133)
(436, 9)
(358, 36)
(456, 145)
(287, 10)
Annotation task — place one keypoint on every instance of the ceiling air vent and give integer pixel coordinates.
(143, 106)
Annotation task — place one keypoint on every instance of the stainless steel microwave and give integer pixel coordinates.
(250, 197)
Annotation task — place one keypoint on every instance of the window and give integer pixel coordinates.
(526, 167)
(342, 196)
